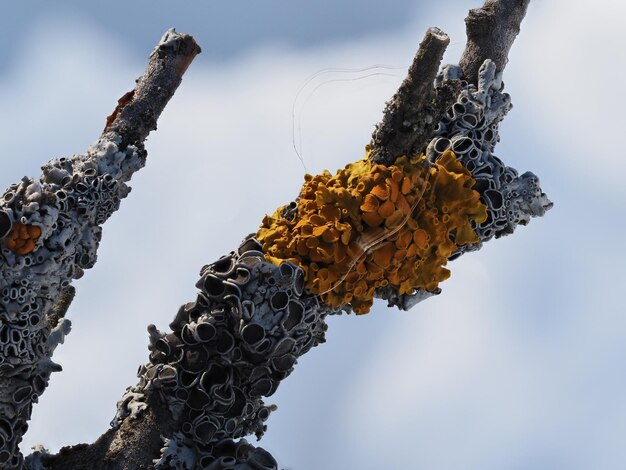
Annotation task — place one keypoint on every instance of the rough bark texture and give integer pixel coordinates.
(62, 305)
(203, 385)
(138, 110)
(416, 108)
(133, 446)
(491, 31)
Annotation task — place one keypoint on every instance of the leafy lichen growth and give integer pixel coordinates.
(371, 226)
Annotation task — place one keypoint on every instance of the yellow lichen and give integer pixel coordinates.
(23, 238)
(371, 225)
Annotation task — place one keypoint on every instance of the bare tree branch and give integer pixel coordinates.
(491, 31)
(138, 110)
(412, 114)
(132, 446)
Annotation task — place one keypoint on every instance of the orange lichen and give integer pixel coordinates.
(371, 225)
(23, 238)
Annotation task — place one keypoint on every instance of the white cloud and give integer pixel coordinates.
(566, 69)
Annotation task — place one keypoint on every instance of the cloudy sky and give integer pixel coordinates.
(519, 364)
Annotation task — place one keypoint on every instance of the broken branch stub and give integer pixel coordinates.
(410, 116)
(491, 31)
(137, 111)
(50, 231)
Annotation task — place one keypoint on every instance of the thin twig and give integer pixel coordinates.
(137, 111)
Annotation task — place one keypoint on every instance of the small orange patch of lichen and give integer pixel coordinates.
(369, 226)
(23, 238)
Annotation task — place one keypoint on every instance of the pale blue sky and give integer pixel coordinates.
(518, 365)
(225, 29)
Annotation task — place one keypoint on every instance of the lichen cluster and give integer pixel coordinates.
(371, 226)
(49, 234)
(470, 128)
(227, 350)
(225, 455)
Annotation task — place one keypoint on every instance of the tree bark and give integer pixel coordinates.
(491, 31)
(412, 114)
(137, 111)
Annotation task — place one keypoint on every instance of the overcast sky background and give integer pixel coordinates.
(519, 364)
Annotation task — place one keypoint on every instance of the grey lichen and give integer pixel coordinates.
(131, 405)
(229, 349)
(34, 461)
(404, 301)
(179, 453)
(66, 206)
(241, 455)
(50, 229)
(58, 334)
(471, 129)
(176, 453)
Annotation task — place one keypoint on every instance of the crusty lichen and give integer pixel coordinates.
(23, 238)
(49, 234)
(370, 226)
